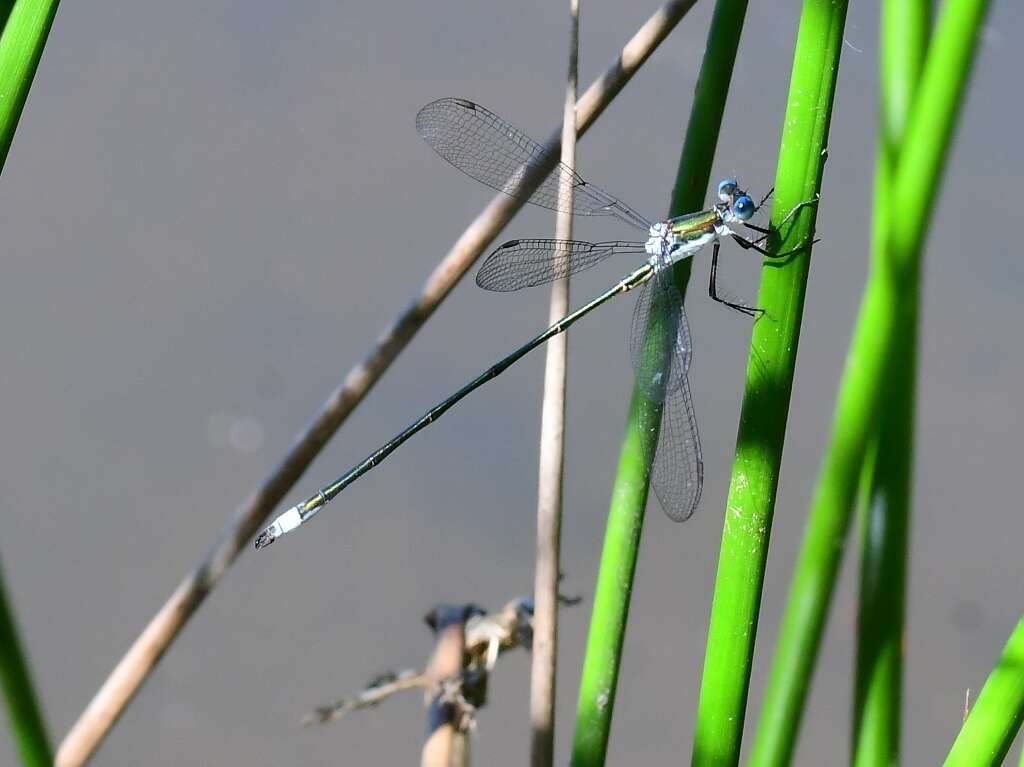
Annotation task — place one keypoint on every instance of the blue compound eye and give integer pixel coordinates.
(743, 208)
(726, 188)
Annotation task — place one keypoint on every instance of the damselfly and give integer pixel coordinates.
(486, 148)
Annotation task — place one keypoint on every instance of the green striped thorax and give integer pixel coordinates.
(682, 236)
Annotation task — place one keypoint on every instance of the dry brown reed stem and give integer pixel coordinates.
(136, 665)
(552, 457)
(442, 733)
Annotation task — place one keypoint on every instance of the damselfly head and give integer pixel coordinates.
(738, 204)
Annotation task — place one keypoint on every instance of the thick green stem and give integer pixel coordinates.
(614, 588)
(751, 502)
(886, 479)
(27, 728)
(629, 496)
(26, 24)
(865, 378)
(993, 722)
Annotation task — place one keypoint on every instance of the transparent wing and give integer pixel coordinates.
(677, 472)
(660, 347)
(659, 299)
(527, 263)
(488, 149)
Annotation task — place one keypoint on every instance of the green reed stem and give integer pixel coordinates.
(874, 346)
(629, 495)
(26, 721)
(751, 502)
(26, 24)
(986, 736)
(886, 478)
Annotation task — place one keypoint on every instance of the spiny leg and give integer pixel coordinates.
(750, 311)
(754, 245)
(746, 244)
(765, 233)
(761, 229)
(797, 208)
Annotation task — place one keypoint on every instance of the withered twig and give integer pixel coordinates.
(484, 637)
(373, 694)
